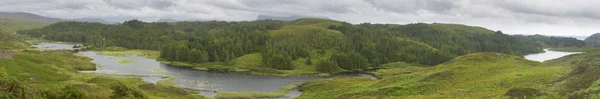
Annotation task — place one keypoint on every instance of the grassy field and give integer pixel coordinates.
(479, 75)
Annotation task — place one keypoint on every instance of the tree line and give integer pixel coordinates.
(344, 46)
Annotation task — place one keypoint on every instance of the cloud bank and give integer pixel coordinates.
(550, 17)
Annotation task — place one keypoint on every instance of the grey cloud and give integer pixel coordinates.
(161, 4)
(336, 9)
(506, 15)
(412, 6)
(138, 4)
(557, 8)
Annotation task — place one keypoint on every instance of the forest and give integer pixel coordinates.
(327, 45)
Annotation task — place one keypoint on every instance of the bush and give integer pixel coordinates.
(522, 93)
(122, 91)
(10, 87)
(327, 66)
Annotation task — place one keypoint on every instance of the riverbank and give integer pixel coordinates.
(575, 49)
(56, 74)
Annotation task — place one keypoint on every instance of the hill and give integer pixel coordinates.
(11, 41)
(14, 21)
(478, 75)
(305, 46)
(593, 40)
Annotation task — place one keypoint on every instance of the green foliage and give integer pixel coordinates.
(308, 61)
(327, 66)
(70, 92)
(3, 73)
(11, 88)
(350, 61)
(523, 93)
(122, 91)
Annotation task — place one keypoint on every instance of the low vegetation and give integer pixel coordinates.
(10, 41)
(479, 75)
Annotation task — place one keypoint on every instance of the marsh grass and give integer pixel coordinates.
(124, 62)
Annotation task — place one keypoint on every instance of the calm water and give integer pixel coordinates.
(548, 55)
(227, 82)
(54, 46)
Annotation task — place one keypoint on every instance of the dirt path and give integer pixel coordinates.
(8, 54)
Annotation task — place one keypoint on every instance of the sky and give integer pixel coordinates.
(548, 17)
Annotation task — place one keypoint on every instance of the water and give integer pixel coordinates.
(54, 46)
(548, 55)
(210, 81)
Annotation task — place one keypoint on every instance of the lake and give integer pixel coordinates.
(548, 55)
(153, 71)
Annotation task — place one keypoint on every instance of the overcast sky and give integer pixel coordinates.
(549, 17)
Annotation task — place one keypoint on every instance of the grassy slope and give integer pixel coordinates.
(480, 75)
(583, 81)
(13, 25)
(51, 71)
(11, 41)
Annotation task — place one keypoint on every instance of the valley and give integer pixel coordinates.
(307, 58)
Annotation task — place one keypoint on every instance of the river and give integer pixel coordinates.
(153, 71)
(548, 55)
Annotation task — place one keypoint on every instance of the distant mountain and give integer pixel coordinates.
(15, 21)
(99, 20)
(288, 18)
(28, 16)
(593, 40)
(167, 20)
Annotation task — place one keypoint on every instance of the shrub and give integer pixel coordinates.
(327, 66)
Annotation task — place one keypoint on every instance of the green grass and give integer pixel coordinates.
(146, 53)
(123, 62)
(479, 75)
(158, 70)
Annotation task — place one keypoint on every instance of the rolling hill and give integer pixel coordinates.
(15, 21)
